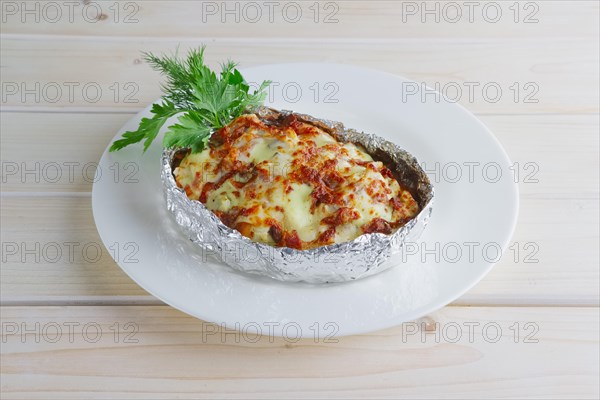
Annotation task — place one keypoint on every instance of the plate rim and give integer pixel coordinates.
(412, 314)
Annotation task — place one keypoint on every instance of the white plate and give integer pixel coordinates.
(470, 215)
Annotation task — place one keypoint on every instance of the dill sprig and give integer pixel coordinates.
(203, 100)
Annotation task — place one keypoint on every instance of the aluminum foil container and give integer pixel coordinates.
(366, 255)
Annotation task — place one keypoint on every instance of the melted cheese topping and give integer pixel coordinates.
(292, 184)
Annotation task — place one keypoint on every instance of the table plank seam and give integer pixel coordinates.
(288, 40)
(135, 110)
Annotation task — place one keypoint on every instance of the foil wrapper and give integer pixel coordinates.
(364, 256)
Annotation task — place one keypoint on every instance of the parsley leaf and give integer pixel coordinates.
(205, 101)
(148, 128)
(189, 132)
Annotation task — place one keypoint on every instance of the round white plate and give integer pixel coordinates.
(473, 219)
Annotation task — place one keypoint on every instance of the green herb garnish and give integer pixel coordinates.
(205, 100)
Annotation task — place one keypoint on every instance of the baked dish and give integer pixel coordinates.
(277, 193)
(289, 183)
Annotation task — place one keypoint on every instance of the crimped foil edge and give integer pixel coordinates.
(366, 255)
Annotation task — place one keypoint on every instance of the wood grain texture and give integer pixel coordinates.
(53, 119)
(109, 75)
(158, 352)
(304, 19)
(54, 152)
(39, 265)
(51, 248)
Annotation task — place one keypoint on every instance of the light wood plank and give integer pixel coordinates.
(69, 145)
(95, 71)
(51, 222)
(553, 238)
(174, 355)
(54, 152)
(170, 354)
(66, 260)
(302, 19)
(555, 156)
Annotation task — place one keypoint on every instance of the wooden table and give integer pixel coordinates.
(75, 326)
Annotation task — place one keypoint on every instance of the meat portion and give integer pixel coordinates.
(290, 183)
